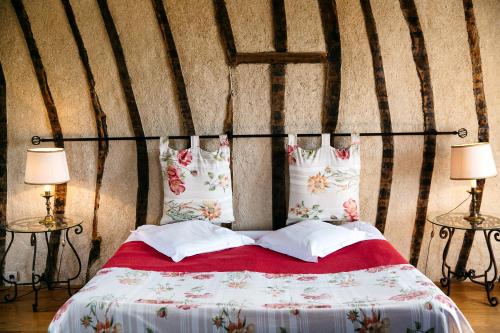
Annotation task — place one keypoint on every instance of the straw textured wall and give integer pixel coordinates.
(196, 35)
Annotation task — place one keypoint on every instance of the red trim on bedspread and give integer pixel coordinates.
(362, 255)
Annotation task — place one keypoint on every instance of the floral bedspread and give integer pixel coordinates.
(394, 298)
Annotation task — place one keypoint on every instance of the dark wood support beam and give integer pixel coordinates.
(281, 58)
(3, 165)
(331, 97)
(483, 134)
(141, 209)
(384, 193)
(278, 80)
(421, 60)
(60, 190)
(102, 132)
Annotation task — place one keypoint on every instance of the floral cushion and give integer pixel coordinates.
(196, 183)
(324, 182)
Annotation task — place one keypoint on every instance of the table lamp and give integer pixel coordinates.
(46, 166)
(471, 162)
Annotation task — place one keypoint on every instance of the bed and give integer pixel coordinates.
(365, 287)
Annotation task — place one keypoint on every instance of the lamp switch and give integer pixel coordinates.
(11, 276)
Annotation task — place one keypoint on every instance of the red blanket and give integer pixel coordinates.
(362, 255)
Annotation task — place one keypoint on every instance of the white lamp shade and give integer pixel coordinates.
(472, 161)
(46, 166)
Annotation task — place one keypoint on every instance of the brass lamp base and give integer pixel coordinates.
(474, 217)
(49, 219)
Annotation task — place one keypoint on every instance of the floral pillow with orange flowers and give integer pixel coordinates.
(324, 182)
(196, 183)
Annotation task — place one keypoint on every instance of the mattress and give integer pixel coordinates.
(365, 287)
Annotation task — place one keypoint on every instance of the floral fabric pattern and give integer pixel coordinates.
(326, 177)
(250, 302)
(197, 183)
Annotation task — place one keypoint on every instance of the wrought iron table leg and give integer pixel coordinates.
(444, 233)
(490, 284)
(35, 278)
(7, 297)
(78, 230)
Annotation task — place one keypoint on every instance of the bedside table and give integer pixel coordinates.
(490, 227)
(33, 227)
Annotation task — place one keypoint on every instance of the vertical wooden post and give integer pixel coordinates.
(481, 113)
(3, 165)
(422, 66)
(384, 193)
(278, 80)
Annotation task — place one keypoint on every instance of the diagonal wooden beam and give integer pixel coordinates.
(175, 66)
(331, 98)
(280, 58)
(60, 190)
(3, 166)
(141, 209)
(422, 66)
(225, 31)
(102, 132)
(278, 80)
(384, 193)
(481, 113)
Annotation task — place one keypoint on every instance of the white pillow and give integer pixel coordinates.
(184, 239)
(310, 239)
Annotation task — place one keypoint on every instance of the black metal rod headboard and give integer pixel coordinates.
(36, 140)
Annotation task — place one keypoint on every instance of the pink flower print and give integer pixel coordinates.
(172, 171)
(277, 276)
(409, 295)
(379, 268)
(172, 274)
(184, 157)
(225, 142)
(237, 284)
(428, 306)
(351, 210)
(291, 159)
(407, 268)
(104, 271)
(319, 306)
(295, 312)
(315, 297)
(186, 306)
(191, 295)
(343, 154)
(282, 305)
(176, 186)
(445, 300)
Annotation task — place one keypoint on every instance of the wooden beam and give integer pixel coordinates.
(422, 66)
(60, 190)
(278, 80)
(3, 165)
(175, 66)
(331, 97)
(384, 193)
(225, 31)
(481, 113)
(281, 58)
(141, 209)
(102, 132)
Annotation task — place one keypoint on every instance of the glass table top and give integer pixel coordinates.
(32, 224)
(456, 220)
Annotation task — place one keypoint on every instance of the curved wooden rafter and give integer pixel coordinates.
(102, 132)
(481, 113)
(141, 209)
(60, 190)
(385, 117)
(421, 60)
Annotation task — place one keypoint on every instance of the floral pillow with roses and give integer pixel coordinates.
(324, 182)
(197, 183)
